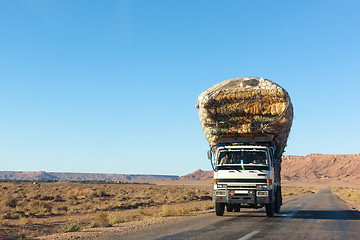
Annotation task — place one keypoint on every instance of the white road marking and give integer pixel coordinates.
(248, 236)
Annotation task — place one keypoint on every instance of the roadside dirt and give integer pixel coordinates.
(102, 232)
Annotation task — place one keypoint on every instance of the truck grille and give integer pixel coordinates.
(229, 180)
(240, 187)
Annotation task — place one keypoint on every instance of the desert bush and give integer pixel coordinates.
(4, 222)
(182, 210)
(101, 220)
(209, 206)
(46, 198)
(103, 194)
(117, 220)
(26, 220)
(38, 207)
(72, 195)
(166, 211)
(60, 210)
(11, 202)
(69, 227)
(58, 198)
(144, 211)
(23, 234)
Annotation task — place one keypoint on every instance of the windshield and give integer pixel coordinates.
(245, 157)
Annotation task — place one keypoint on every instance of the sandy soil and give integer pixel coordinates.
(94, 233)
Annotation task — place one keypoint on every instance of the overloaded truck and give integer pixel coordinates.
(247, 122)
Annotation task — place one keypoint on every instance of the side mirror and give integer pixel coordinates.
(209, 154)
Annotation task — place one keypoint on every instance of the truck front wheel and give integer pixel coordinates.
(219, 209)
(277, 202)
(270, 209)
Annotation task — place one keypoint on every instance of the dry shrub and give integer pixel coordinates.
(60, 210)
(101, 220)
(209, 206)
(166, 211)
(4, 222)
(11, 202)
(118, 220)
(26, 221)
(72, 194)
(23, 234)
(144, 211)
(69, 227)
(38, 207)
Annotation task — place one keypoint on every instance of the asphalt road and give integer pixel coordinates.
(312, 216)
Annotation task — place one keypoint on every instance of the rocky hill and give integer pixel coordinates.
(198, 175)
(41, 175)
(344, 167)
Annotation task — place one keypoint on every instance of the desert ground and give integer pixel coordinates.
(32, 210)
(50, 210)
(63, 209)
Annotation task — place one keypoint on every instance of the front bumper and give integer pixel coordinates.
(251, 197)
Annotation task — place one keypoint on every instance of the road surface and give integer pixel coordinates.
(312, 216)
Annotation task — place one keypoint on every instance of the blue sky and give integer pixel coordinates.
(110, 86)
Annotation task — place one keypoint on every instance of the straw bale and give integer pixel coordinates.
(246, 107)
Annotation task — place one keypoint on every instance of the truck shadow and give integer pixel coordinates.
(336, 215)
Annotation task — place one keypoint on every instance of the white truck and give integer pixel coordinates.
(247, 122)
(246, 175)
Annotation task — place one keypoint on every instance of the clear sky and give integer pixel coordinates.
(110, 86)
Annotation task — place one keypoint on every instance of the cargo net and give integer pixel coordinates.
(237, 111)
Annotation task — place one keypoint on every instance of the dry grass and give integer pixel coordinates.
(41, 209)
(101, 220)
(4, 222)
(69, 227)
(350, 195)
(288, 191)
(168, 211)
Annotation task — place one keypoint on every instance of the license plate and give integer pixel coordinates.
(241, 192)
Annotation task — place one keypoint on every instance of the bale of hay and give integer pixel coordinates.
(246, 107)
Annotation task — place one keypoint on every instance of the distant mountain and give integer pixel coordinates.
(345, 167)
(198, 175)
(41, 175)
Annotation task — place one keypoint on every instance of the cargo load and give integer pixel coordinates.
(246, 108)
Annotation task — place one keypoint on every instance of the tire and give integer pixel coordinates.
(237, 208)
(219, 209)
(277, 202)
(270, 209)
(229, 208)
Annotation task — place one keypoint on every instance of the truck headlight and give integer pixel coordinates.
(220, 193)
(221, 186)
(262, 193)
(261, 186)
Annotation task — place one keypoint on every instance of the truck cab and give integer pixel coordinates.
(245, 176)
